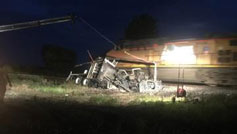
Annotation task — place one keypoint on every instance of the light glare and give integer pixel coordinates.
(179, 55)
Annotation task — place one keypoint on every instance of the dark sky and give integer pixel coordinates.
(176, 18)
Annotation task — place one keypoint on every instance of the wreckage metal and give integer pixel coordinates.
(105, 74)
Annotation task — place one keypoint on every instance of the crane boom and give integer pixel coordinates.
(30, 24)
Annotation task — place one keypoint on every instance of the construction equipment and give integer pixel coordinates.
(36, 23)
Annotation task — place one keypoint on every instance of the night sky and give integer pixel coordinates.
(176, 18)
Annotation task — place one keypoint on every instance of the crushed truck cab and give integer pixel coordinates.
(103, 73)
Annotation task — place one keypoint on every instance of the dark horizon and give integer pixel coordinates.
(177, 19)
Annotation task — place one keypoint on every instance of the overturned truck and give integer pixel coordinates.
(103, 73)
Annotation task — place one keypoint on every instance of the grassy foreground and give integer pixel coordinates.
(46, 107)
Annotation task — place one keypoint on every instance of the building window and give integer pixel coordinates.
(227, 52)
(205, 49)
(235, 56)
(233, 43)
(220, 52)
(224, 52)
(224, 59)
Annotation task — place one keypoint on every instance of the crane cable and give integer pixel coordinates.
(110, 41)
(94, 29)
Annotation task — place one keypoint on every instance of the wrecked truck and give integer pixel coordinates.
(103, 73)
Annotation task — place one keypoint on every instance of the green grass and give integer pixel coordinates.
(103, 100)
(52, 89)
(41, 84)
(102, 114)
(98, 111)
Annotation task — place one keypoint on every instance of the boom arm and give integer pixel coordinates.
(30, 24)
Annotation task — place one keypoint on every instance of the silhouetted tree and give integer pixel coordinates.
(141, 27)
(58, 59)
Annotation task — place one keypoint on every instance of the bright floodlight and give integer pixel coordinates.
(178, 55)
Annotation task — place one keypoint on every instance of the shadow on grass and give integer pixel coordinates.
(45, 116)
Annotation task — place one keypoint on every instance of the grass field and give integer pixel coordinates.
(36, 105)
